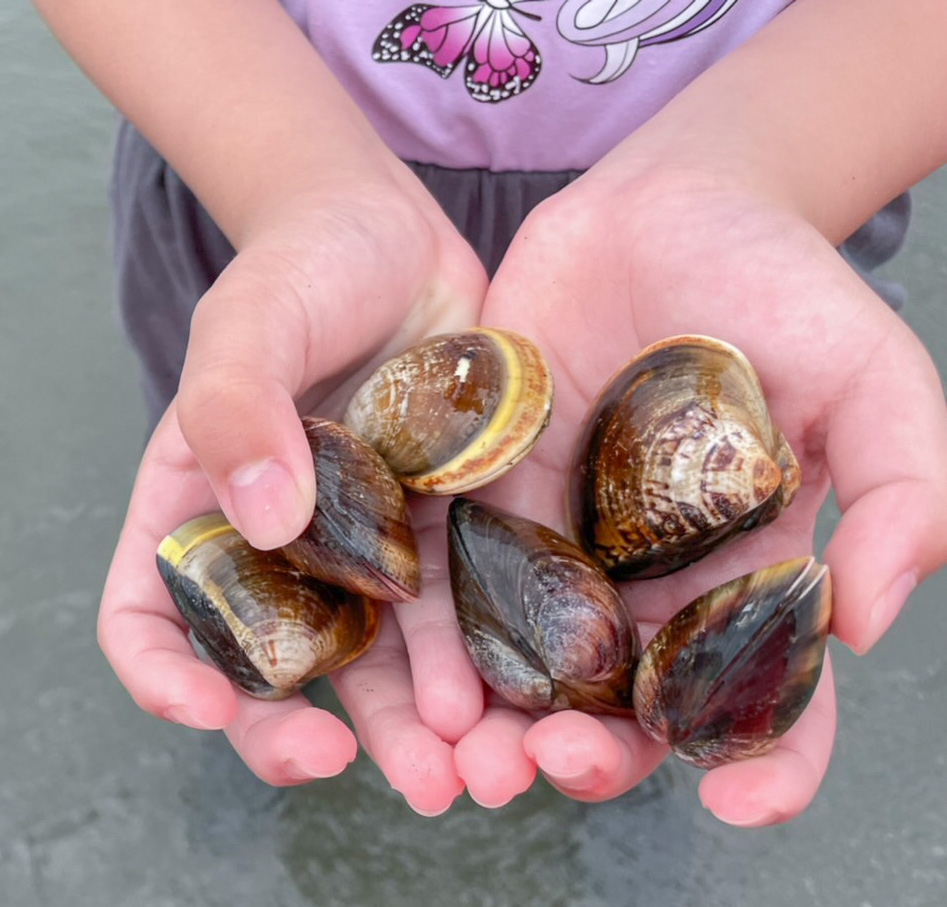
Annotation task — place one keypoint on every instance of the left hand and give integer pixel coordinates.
(297, 321)
(603, 269)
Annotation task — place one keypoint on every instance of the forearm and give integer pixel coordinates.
(231, 93)
(832, 110)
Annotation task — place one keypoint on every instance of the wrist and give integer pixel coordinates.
(827, 127)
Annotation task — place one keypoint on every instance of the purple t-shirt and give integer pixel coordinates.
(520, 84)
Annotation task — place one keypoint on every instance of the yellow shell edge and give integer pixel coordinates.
(454, 477)
(185, 538)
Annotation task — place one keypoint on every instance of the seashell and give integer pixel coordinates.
(732, 671)
(543, 625)
(677, 456)
(456, 411)
(268, 627)
(360, 536)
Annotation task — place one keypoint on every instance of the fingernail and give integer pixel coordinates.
(299, 772)
(429, 813)
(488, 804)
(749, 812)
(181, 714)
(753, 817)
(581, 780)
(265, 499)
(886, 608)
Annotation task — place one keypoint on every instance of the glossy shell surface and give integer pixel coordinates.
(360, 536)
(543, 625)
(678, 454)
(732, 671)
(455, 411)
(268, 627)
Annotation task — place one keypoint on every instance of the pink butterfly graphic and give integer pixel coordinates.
(500, 60)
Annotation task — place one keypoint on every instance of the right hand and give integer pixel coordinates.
(619, 260)
(308, 306)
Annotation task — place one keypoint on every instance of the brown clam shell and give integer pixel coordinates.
(268, 627)
(360, 536)
(678, 455)
(543, 625)
(732, 671)
(455, 411)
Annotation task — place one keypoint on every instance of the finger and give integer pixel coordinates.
(155, 663)
(592, 758)
(447, 689)
(885, 449)
(778, 786)
(377, 693)
(246, 359)
(139, 630)
(491, 759)
(289, 742)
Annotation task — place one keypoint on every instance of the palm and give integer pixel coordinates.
(832, 360)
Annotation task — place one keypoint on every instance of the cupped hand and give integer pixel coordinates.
(610, 265)
(306, 308)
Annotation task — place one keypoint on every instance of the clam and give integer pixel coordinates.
(732, 671)
(266, 625)
(455, 411)
(543, 625)
(360, 536)
(678, 455)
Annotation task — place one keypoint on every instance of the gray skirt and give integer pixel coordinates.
(168, 251)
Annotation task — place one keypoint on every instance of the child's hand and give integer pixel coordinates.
(603, 269)
(297, 319)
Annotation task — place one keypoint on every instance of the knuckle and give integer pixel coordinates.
(212, 398)
(203, 396)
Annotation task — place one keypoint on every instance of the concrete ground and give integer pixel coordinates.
(103, 806)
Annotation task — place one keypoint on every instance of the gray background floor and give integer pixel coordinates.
(102, 805)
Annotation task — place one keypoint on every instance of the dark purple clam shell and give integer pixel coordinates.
(731, 672)
(543, 625)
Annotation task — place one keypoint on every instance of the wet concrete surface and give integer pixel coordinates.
(102, 805)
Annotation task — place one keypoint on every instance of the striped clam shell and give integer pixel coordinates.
(677, 456)
(456, 411)
(267, 626)
(360, 536)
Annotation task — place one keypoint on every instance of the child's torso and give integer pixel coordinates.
(520, 84)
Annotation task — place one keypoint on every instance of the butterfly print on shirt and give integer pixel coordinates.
(622, 27)
(500, 61)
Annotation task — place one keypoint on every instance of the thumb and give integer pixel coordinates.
(246, 360)
(284, 318)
